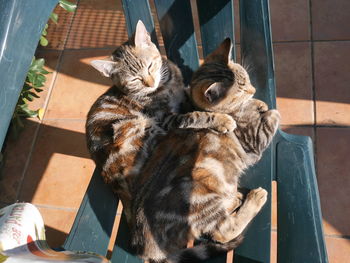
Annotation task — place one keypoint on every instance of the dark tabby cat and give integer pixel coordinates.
(188, 188)
(123, 124)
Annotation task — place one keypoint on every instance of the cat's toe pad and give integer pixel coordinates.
(227, 124)
(258, 196)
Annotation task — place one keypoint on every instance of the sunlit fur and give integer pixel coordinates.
(138, 71)
(145, 101)
(188, 188)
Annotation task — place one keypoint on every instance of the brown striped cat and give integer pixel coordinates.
(125, 122)
(188, 188)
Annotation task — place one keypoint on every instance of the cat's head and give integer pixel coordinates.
(220, 84)
(136, 66)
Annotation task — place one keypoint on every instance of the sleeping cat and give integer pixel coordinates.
(188, 188)
(124, 123)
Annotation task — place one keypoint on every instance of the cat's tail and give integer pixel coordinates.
(203, 251)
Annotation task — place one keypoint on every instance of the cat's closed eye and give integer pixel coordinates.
(136, 79)
(150, 67)
(241, 82)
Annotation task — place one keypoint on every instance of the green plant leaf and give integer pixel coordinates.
(27, 112)
(38, 90)
(33, 94)
(31, 77)
(26, 87)
(54, 18)
(68, 6)
(43, 41)
(37, 64)
(41, 77)
(43, 71)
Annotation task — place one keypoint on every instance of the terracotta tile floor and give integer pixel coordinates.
(49, 164)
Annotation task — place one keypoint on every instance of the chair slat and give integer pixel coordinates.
(217, 23)
(256, 49)
(93, 224)
(135, 10)
(300, 233)
(19, 39)
(175, 19)
(121, 250)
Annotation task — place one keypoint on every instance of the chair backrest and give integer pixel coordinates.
(21, 24)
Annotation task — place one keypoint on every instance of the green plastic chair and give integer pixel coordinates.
(289, 160)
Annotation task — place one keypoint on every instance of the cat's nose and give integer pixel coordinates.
(251, 90)
(148, 81)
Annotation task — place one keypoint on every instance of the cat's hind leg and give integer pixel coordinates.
(234, 225)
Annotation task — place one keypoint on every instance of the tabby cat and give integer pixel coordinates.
(125, 122)
(188, 188)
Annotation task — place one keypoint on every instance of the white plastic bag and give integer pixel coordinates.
(22, 239)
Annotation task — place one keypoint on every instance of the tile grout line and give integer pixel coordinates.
(56, 207)
(313, 126)
(346, 237)
(312, 40)
(88, 48)
(313, 86)
(65, 119)
(304, 41)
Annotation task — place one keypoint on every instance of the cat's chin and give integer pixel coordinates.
(150, 90)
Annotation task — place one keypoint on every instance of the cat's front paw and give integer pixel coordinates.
(272, 119)
(261, 106)
(224, 123)
(258, 197)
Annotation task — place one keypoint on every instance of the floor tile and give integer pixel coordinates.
(60, 166)
(338, 250)
(58, 223)
(290, 20)
(51, 63)
(97, 24)
(77, 85)
(332, 80)
(330, 19)
(294, 83)
(16, 154)
(333, 166)
(57, 33)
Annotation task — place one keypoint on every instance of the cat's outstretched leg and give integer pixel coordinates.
(235, 224)
(219, 122)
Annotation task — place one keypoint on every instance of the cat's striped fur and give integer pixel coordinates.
(125, 122)
(188, 188)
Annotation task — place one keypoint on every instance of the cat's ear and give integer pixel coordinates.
(222, 53)
(104, 66)
(142, 37)
(214, 92)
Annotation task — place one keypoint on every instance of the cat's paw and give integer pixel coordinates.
(261, 106)
(258, 197)
(272, 119)
(224, 123)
